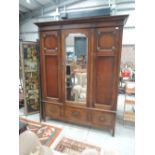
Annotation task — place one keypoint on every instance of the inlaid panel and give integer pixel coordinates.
(50, 42)
(51, 63)
(102, 118)
(52, 110)
(76, 115)
(106, 39)
(104, 80)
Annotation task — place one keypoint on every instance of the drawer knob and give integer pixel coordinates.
(52, 110)
(113, 48)
(75, 114)
(102, 118)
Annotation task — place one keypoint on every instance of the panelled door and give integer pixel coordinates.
(105, 72)
(50, 65)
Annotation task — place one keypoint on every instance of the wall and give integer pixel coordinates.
(128, 56)
(29, 31)
(129, 29)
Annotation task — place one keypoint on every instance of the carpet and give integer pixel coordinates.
(46, 133)
(73, 147)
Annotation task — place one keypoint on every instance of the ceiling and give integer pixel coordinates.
(25, 7)
(41, 8)
(30, 5)
(37, 8)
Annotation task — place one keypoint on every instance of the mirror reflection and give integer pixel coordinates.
(76, 67)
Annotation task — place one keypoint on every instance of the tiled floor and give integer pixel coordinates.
(123, 142)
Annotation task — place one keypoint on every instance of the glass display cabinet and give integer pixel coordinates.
(30, 76)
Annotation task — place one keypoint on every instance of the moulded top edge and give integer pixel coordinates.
(121, 18)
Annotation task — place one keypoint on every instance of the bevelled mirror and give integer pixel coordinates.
(76, 49)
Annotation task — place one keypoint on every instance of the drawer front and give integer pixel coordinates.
(53, 110)
(103, 119)
(76, 115)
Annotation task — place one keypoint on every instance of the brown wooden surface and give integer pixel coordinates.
(77, 115)
(104, 52)
(90, 22)
(104, 80)
(129, 115)
(102, 119)
(51, 63)
(53, 110)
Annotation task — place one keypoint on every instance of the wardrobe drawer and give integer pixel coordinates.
(76, 115)
(52, 110)
(102, 119)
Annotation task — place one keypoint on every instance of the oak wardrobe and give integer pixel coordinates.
(80, 64)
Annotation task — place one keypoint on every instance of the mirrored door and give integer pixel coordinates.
(76, 49)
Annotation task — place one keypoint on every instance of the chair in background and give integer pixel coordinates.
(29, 144)
(129, 103)
(80, 87)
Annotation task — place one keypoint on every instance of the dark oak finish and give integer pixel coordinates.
(102, 119)
(51, 68)
(104, 80)
(53, 110)
(74, 114)
(104, 36)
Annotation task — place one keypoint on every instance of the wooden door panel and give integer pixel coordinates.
(105, 58)
(51, 76)
(50, 64)
(104, 80)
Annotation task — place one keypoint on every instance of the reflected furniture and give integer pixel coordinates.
(80, 77)
(80, 87)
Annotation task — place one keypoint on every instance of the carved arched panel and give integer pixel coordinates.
(106, 39)
(50, 42)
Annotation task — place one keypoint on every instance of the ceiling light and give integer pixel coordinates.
(28, 1)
